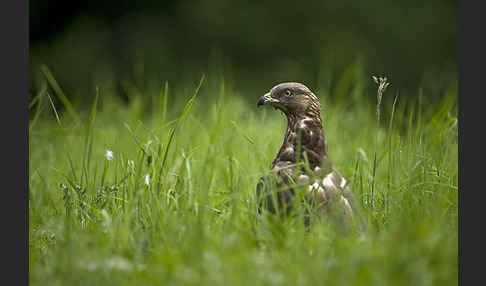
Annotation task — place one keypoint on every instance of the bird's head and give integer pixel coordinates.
(291, 98)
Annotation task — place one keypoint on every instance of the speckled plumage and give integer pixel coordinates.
(325, 185)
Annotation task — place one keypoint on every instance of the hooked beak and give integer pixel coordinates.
(266, 99)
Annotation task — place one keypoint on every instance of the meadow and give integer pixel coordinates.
(160, 189)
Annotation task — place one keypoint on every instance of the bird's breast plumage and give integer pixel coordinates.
(303, 160)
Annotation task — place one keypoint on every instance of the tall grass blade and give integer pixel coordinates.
(185, 111)
(36, 98)
(38, 111)
(88, 141)
(59, 93)
(419, 114)
(54, 109)
(390, 154)
(73, 170)
(382, 85)
(164, 102)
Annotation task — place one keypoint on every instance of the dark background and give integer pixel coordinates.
(251, 44)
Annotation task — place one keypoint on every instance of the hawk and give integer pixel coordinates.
(305, 143)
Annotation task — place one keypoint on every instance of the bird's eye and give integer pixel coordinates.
(288, 92)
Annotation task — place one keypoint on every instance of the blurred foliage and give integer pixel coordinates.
(138, 45)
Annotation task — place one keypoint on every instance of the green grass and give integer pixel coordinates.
(96, 222)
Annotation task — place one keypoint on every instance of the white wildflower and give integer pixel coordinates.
(147, 179)
(109, 155)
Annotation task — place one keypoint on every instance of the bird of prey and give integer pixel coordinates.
(304, 142)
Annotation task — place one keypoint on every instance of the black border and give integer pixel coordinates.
(471, 65)
(14, 25)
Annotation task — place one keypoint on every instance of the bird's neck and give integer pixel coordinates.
(304, 135)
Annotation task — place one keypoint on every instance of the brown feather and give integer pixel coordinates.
(304, 133)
